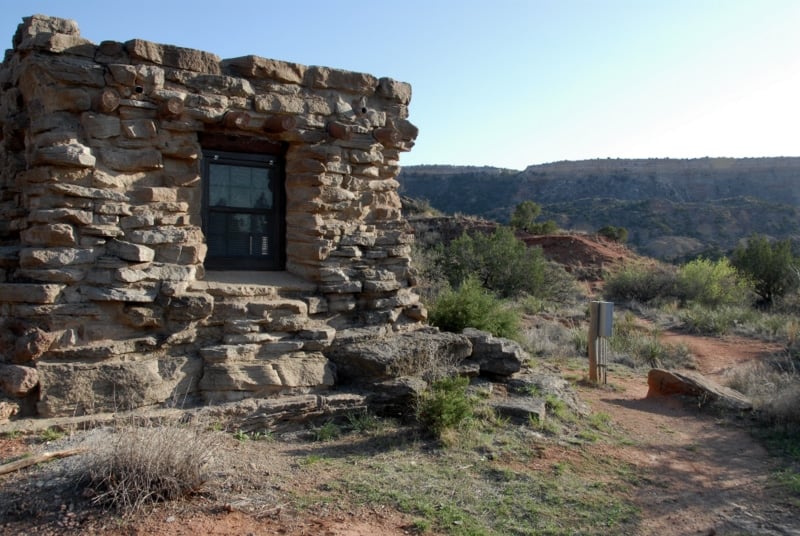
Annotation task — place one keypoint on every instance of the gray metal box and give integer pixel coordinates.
(605, 319)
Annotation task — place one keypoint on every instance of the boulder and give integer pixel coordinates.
(667, 382)
(32, 344)
(397, 397)
(419, 353)
(108, 386)
(18, 381)
(519, 408)
(495, 355)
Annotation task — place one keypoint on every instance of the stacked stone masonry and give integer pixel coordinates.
(105, 300)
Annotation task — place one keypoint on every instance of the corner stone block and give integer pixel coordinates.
(139, 128)
(70, 100)
(74, 154)
(173, 56)
(257, 67)
(36, 24)
(394, 90)
(81, 217)
(101, 126)
(29, 293)
(143, 294)
(132, 159)
(276, 103)
(72, 44)
(130, 252)
(156, 195)
(56, 234)
(44, 258)
(326, 78)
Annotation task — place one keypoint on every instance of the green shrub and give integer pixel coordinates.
(617, 234)
(641, 283)
(544, 227)
(501, 262)
(471, 305)
(446, 405)
(772, 267)
(711, 283)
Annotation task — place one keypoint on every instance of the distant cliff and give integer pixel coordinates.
(672, 208)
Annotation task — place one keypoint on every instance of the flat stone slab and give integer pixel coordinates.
(521, 408)
(669, 382)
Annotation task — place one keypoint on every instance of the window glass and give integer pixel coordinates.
(238, 235)
(239, 186)
(243, 211)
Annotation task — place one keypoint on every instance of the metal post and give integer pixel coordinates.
(594, 308)
(601, 315)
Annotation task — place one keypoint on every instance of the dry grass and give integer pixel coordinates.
(774, 387)
(144, 463)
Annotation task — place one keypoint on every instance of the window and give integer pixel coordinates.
(243, 211)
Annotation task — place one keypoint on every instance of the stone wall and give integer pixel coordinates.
(105, 303)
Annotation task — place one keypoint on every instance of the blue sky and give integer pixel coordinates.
(510, 83)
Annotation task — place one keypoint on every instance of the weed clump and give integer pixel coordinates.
(446, 405)
(144, 464)
(327, 431)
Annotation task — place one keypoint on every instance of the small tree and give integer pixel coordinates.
(617, 234)
(525, 215)
(524, 219)
(771, 267)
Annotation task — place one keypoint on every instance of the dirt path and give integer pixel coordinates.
(698, 475)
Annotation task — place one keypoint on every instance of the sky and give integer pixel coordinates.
(511, 83)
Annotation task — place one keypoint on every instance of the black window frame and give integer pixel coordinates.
(277, 215)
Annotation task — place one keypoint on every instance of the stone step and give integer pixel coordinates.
(265, 346)
(244, 315)
(245, 284)
(265, 377)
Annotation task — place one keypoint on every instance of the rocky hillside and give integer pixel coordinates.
(672, 208)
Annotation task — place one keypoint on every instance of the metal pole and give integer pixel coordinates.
(594, 308)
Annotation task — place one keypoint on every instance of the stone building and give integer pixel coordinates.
(177, 225)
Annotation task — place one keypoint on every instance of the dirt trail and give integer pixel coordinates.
(699, 476)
